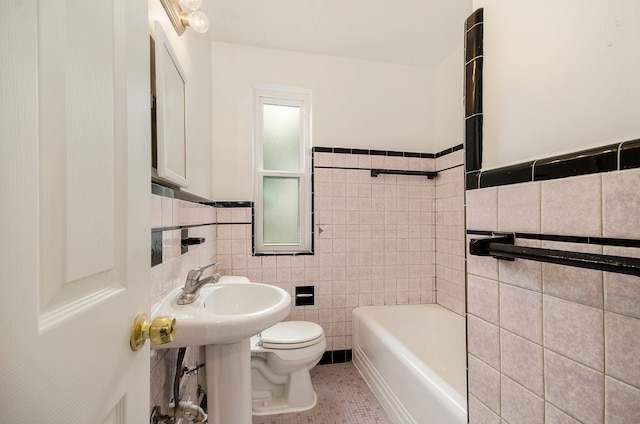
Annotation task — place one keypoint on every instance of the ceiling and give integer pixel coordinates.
(407, 32)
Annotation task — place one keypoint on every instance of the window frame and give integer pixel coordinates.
(283, 96)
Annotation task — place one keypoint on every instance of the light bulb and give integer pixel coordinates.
(191, 4)
(199, 22)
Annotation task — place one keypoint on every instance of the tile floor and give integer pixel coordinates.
(343, 398)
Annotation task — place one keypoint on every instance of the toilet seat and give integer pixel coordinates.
(291, 335)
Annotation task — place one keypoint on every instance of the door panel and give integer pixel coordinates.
(117, 415)
(74, 159)
(80, 216)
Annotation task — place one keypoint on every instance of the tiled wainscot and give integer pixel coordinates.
(547, 342)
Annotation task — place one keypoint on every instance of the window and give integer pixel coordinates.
(282, 135)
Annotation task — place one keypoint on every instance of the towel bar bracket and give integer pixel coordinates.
(482, 247)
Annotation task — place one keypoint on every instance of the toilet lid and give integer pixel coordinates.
(290, 334)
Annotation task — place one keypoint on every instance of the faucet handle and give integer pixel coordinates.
(195, 274)
(208, 266)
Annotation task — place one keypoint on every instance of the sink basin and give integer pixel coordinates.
(224, 313)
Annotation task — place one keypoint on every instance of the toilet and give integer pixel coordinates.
(281, 358)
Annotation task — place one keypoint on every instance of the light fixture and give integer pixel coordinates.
(191, 4)
(180, 19)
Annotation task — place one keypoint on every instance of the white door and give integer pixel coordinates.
(74, 210)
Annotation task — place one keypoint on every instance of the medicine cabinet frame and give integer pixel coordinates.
(169, 89)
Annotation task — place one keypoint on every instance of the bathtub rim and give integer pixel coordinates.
(444, 393)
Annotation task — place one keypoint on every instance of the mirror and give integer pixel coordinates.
(168, 84)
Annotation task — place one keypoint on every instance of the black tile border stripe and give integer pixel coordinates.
(630, 154)
(520, 173)
(175, 193)
(171, 192)
(232, 204)
(372, 152)
(234, 223)
(161, 190)
(601, 159)
(376, 152)
(608, 158)
(367, 152)
(336, 357)
(600, 241)
(181, 227)
(283, 253)
(450, 150)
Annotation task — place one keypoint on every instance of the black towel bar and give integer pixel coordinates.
(502, 246)
(429, 174)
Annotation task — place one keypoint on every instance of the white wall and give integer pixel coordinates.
(356, 103)
(194, 53)
(449, 106)
(559, 76)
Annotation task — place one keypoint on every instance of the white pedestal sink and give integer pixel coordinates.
(223, 319)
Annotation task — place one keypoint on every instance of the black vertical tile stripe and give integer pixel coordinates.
(471, 180)
(156, 248)
(474, 47)
(475, 18)
(473, 143)
(473, 88)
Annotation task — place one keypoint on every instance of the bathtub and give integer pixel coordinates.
(414, 359)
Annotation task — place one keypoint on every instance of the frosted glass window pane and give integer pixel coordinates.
(281, 133)
(281, 210)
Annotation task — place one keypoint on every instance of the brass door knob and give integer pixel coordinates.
(160, 331)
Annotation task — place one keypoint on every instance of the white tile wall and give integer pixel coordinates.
(450, 232)
(377, 241)
(568, 336)
(170, 274)
(369, 246)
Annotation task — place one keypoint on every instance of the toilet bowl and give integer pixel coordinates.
(281, 358)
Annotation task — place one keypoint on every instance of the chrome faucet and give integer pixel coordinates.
(192, 285)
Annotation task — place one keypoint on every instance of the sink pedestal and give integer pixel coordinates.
(223, 319)
(228, 371)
